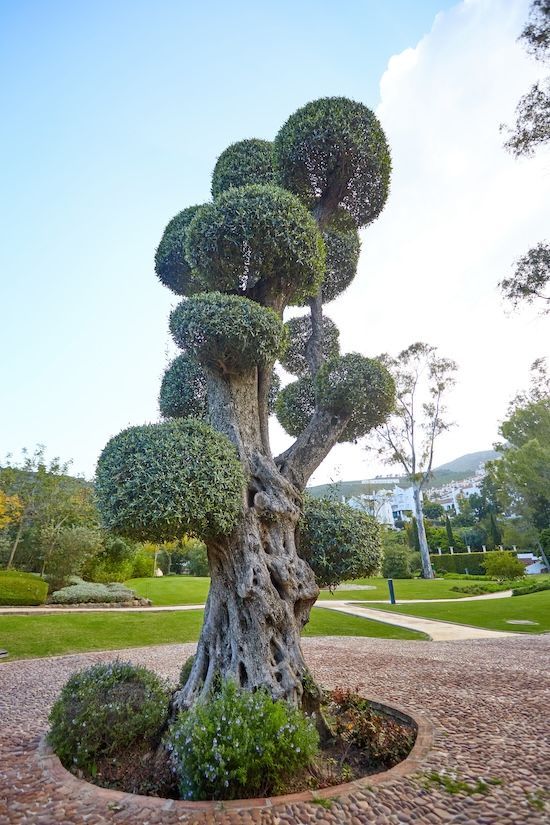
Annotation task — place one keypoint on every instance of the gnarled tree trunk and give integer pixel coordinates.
(261, 591)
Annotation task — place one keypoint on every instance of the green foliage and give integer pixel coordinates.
(343, 248)
(161, 481)
(114, 562)
(227, 332)
(171, 263)
(333, 153)
(191, 556)
(105, 710)
(66, 551)
(243, 163)
(385, 740)
(51, 500)
(239, 744)
(503, 565)
(531, 277)
(258, 241)
(349, 385)
(92, 593)
(459, 562)
(433, 510)
(185, 671)
(299, 331)
(338, 542)
(359, 387)
(396, 563)
(295, 405)
(531, 587)
(18, 588)
(183, 389)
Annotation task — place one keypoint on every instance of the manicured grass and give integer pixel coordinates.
(492, 614)
(404, 589)
(169, 590)
(331, 623)
(32, 636)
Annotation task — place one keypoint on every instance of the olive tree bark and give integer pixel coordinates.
(261, 591)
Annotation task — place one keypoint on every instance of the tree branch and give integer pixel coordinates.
(310, 448)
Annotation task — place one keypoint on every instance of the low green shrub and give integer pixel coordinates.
(477, 589)
(239, 744)
(503, 565)
(467, 577)
(396, 563)
(185, 671)
(93, 593)
(24, 589)
(531, 587)
(105, 710)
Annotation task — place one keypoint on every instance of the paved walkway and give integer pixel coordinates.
(486, 699)
(439, 631)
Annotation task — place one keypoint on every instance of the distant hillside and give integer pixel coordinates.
(457, 470)
(468, 463)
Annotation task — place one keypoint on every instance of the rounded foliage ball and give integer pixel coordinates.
(243, 163)
(299, 333)
(171, 264)
(258, 241)
(343, 250)
(338, 542)
(359, 387)
(159, 482)
(295, 405)
(333, 154)
(227, 333)
(183, 389)
(105, 710)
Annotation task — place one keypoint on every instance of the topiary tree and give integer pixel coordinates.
(281, 230)
(338, 542)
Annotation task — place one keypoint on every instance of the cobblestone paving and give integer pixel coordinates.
(487, 699)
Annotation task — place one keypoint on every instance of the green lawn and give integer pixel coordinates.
(31, 636)
(169, 590)
(491, 614)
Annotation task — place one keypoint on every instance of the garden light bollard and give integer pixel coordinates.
(392, 591)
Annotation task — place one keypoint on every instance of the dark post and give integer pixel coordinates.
(392, 592)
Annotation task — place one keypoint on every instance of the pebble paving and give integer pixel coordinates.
(487, 700)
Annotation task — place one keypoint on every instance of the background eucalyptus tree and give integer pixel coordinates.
(281, 230)
(408, 437)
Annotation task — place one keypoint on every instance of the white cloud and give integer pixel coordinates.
(461, 210)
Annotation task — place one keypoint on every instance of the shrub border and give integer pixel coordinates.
(53, 771)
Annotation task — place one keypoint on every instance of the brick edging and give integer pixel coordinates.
(50, 765)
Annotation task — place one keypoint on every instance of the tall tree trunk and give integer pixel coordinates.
(261, 591)
(261, 594)
(427, 569)
(15, 544)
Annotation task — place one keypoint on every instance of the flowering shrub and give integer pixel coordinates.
(239, 744)
(385, 741)
(104, 710)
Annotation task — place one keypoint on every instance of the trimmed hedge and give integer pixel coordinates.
(459, 562)
(22, 588)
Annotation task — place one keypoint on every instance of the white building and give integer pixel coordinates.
(387, 506)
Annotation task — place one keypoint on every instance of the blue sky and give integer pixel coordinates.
(113, 116)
